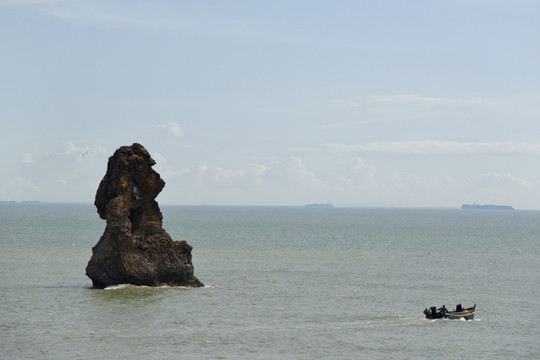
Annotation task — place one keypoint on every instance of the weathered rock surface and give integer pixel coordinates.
(135, 249)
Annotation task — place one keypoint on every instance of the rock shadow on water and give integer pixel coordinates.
(68, 287)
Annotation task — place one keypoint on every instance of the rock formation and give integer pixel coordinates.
(134, 248)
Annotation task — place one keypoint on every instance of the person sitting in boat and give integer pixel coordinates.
(459, 308)
(443, 309)
(435, 314)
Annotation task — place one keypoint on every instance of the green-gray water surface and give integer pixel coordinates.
(281, 283)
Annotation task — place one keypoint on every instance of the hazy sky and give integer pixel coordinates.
(360, 103)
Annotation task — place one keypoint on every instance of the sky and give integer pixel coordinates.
(412, 103)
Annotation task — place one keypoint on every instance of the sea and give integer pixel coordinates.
(280, 283)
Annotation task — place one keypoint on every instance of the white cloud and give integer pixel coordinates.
(221, 175)
(22, 184)
(206, 175)
(505, 180)
(81, 11)
(429, 100)
(363, 168)
(28, 2)
(19, 188)
(259, 169)
(27, 158)
(256, 183)
(84, 155)
(438, 147)
(351, 175)
(172, 129)
(365, 171)
(294, 170)
(350, 103)
(412, 99)
(70, 149)
(203, 168)
(70, 173)
(335, 125)
(159, 158)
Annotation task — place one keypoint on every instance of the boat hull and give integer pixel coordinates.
(467, 315)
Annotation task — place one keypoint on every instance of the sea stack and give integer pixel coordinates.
(135, 249)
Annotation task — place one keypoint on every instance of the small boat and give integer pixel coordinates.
(443, 313)
(467, 314)
(327, 205)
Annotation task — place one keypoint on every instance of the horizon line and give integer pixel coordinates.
(37, 202)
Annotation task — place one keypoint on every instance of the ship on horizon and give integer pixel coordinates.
(476, 206)
(328, 205)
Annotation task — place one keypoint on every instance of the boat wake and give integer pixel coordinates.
(130, 286)
(452, 320)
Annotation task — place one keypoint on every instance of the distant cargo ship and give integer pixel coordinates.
(329, 205)
(485, 207)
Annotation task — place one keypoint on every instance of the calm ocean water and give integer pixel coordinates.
(281, 283)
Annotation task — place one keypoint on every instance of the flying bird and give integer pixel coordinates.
(84, 153)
